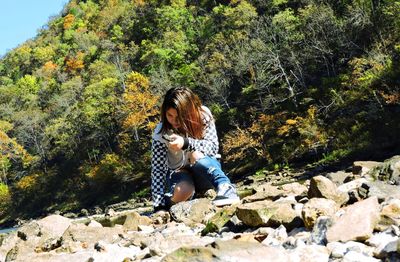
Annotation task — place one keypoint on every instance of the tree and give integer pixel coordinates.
(139, 104)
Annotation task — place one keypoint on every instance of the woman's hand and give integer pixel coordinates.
(177, 142)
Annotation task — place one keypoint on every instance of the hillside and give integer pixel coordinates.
(290, 82)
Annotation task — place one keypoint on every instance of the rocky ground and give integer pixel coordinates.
(341, 216)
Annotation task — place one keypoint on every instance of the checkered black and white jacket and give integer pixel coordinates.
(208, 145)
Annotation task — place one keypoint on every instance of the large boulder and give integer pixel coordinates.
(388, 171)
(322, 187)
(363, 167)
(267, 213)
(317, 207)
(192, 212)
(230, 250)
(134, 220)
(356, 223)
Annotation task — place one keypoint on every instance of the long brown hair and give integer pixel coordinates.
(188, 106)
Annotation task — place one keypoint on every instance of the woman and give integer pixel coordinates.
(184, 150)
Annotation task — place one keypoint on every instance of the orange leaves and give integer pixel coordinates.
(49, 68)
(68, 21)
(73, 64)
(391, 98)
(140, 104)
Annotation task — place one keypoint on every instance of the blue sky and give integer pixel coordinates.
(20, 20)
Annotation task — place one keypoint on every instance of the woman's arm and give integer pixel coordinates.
(209, 144)
(158, 172)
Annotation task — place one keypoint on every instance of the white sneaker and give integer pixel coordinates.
(226, 195)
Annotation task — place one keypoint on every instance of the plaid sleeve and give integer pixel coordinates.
(209, 144)
(158, 172)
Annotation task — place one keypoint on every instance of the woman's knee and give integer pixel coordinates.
(182, 192)
(196, 156)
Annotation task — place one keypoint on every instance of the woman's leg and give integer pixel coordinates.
(209, 168)
(181, 187)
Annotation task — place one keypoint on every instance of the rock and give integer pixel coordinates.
(384, 243)
(234, 250)
(318, 207)
(264, 192)
(363, 167)
(27, 231)
(160, 245)
(134, 220)
(322, 187)
(389, 171)
(390, 214)
(382, 190)
(146, 229)
(352, 185)
(70, 215)
(338, 177)
(267, 213)
(362, 216)
(88, 236)
(294, 189)
(310, 253)
(192, 212)
(94, 223)
(353, 256)
(54, 225)
(276, 237)
(113, 252)
(195, 253)
(160, 217)
(318, 234)
(220, 219)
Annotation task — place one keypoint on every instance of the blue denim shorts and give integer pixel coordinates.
(199, 180)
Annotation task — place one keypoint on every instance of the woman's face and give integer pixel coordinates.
(172, 117)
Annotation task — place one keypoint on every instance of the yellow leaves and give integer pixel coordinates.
(139, 103)
(5, 198)
(139, 2)
(27, 182)
(240, 143)
(291, 122)
(367, 70)
(9, 147)
(5, 126)
(68, 21)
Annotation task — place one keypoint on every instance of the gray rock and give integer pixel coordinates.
(384, 243)
(382, 190)
(192, 212)
(363, 167)
(389, 171)
(318, 234)
(338, 177)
